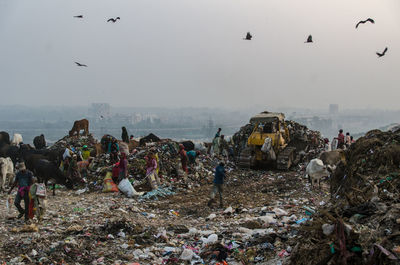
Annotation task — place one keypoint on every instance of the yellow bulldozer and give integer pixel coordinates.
(268, 143)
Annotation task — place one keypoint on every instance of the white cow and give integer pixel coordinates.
(6, 170)
(17, 139)
(316, 170)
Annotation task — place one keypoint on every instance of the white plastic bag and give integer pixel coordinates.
(41, 190)
(267, 145)
(126, 188)
(187, 254)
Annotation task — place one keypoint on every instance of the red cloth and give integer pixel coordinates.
(340, 138)
(30, 211)
(22, 190)
(184, 159)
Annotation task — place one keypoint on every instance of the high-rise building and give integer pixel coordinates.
(333, 109)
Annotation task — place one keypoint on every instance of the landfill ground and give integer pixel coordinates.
(109, 228)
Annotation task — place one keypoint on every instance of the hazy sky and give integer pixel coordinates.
(191, 53)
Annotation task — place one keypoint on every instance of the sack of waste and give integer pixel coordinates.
(109, 185)
(126, 188)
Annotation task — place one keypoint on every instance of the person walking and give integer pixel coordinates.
(24, 180)
(219, 177)
(38, 201)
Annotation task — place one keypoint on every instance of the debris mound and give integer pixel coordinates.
(361, 226)
(151, 138)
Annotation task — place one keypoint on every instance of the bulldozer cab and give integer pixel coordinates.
(269, 125)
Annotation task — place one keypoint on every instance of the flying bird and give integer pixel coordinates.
(309, 39)
(80, 16)
(248, 36)
(113, 20)
(383, 53)
(365, 21)
(79, 64)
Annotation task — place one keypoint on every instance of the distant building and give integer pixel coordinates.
(100, 110)
(333, 109)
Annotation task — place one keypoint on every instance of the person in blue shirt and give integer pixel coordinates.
(218, 184)
(24, 181)
(192, 156)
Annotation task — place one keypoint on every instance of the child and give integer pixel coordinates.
(37, 193)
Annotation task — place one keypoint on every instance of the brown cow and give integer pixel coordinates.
(78, 126)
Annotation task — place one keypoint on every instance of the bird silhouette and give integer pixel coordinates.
(80, 16)
(365, 21)
(248, 36)
(383, 53)
(113, 20)
(79, 64)
(309, 39)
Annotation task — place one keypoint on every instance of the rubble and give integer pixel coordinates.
(359, 224)
(270, 217)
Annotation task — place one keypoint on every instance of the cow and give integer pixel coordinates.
(6, 170)
(46, 170)
(332, 158)
(78, 126)
(10, 151)
(4, 138)
(17, 139)
(39, 142)
(316, 170)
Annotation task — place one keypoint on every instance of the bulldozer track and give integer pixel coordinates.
(285, 158)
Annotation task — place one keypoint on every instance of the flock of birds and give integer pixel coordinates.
(309, 38)
(249, 36)
(113, 20)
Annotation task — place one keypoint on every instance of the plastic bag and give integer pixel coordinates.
(41, 190)
(267, 145)
(126, 188)
(109, 185)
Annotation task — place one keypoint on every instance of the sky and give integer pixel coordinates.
(191, 53)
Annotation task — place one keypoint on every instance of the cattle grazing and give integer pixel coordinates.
(4, 138)
(46, 170)
(78, 126)
(316, 170)
(39, 142)
(6, 170)
(17, 139)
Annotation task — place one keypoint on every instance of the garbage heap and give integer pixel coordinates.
(361, 224)
(170, 170)
(308, 143)
(77, 142)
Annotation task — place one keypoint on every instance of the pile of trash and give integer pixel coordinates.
(360, 225)
(170, 169)
(76, 142)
